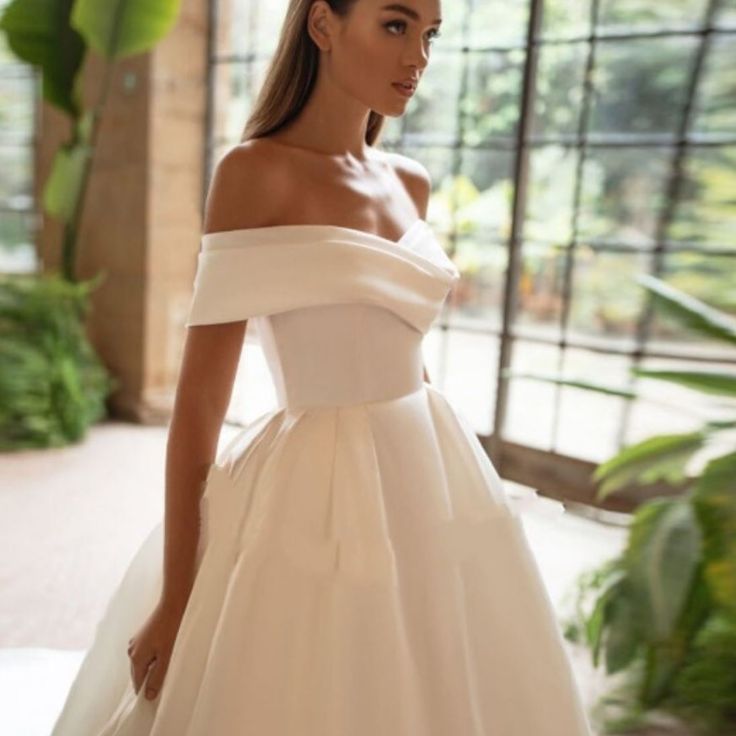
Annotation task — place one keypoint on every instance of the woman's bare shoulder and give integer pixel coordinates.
(413, 171)
(246, 188)
(414, 176)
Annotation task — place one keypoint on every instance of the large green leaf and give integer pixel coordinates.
(662, 558)
(689, 311)
(609, 582)
(659, 458)
(52, 383)
(704, 693)
(118, 28)
(574, 382)
(710, 382)
(715, 503)
(64, 184)
(39, 32)
(661, 666)
(623, 636)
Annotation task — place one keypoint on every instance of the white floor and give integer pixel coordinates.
(70, 521)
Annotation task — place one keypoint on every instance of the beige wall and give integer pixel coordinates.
(142, 214)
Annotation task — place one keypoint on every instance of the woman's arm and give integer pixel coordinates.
(203, 393)
(209, 365)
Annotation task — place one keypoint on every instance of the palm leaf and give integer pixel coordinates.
(659, 458)
(574, 382)
(714, 499)
(710, 382)
(661, 558)
(689, 311)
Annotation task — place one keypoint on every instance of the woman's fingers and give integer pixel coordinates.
(133, 677)
(139, 666)
(155, 678)
(149, 651)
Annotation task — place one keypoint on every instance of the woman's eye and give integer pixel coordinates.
(395, 23)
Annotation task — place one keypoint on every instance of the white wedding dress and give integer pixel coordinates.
(361, 570)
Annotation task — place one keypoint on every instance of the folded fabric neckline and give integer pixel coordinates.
(406, 247)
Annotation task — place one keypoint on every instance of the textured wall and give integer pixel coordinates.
(142, 215)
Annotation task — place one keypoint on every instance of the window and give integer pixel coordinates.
(18, 94)
(572, 145)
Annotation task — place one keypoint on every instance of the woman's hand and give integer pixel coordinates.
(150, 649)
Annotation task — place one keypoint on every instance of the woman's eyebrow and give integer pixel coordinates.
(399, 8)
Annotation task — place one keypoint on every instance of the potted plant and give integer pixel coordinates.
(661, 616)
(54, 385)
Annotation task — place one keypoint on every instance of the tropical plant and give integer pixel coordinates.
(56, 36)
(662, 615)
(53, 384)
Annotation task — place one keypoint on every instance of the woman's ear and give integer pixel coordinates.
(318, 25)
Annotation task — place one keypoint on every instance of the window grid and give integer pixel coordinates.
(582, 142)
(19, 217)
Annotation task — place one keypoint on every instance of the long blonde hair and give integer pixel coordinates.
(292, 73)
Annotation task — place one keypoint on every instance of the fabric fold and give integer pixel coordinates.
(241, 274)
(361, 568)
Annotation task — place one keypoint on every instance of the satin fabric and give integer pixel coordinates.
(361, 569)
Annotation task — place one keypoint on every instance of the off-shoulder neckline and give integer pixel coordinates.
(429, 255)
(255, 231)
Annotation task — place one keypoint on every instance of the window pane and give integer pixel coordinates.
(559, 88)
(492, 106)
(589, 421)
(507, 22)
(478, 296)
(236, 86)
(249, 27)
(623, 192)
(606, 299)
(716, 103)
(472, 367)
(550, 197)
(17, 242)
(479, 194)
(565, 18)
(706, 211)
(16, 163)
(640, 85)
(641, 14)
(18, 85)
(539, 298)
(726, 17)
(531, 403)
(16, 105)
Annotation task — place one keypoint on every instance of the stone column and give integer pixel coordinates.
(142, 214)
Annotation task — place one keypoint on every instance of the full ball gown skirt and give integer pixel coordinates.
(361, 570)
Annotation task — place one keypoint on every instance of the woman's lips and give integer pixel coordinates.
(407, 91)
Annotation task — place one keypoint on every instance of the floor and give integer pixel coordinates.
(71, 519)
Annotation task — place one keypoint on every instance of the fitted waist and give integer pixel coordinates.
(329, 356)
(347, 395)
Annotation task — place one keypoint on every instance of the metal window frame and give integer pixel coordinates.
(560, 476)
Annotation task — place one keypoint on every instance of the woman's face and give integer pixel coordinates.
(380, 44)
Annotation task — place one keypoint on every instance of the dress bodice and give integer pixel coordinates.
(340, 313)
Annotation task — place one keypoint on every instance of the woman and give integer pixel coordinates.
(351, 564)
